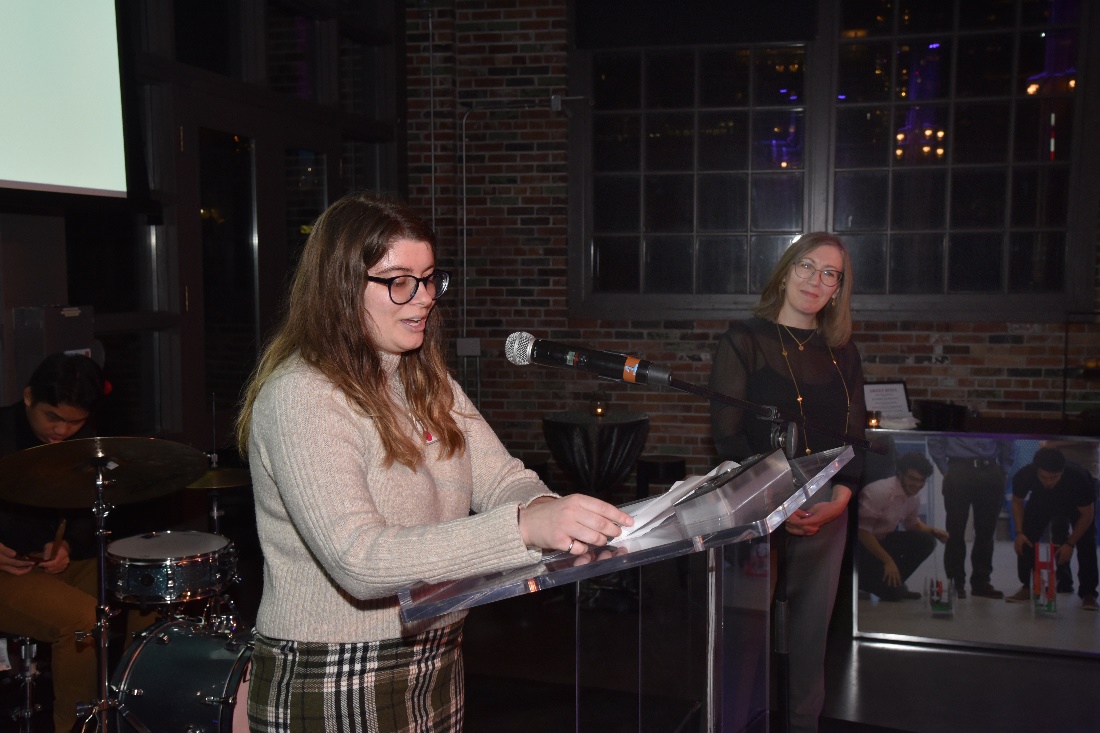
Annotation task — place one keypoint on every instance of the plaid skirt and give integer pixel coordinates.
(408, 685)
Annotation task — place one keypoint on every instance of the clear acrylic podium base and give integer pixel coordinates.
(670, 628)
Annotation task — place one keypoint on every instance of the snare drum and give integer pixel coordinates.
(170, 567)
(180, 677)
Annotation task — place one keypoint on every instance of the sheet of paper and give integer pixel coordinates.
(651, 513)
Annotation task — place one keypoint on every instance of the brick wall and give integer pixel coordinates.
(482, 54)
(1003, 372)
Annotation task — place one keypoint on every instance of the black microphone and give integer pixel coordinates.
(522, 348)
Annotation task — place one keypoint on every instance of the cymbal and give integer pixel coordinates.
(222, 478)
(63, 475)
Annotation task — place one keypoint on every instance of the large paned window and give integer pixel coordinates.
(953, 140)
(696, 163)
(259, 113)
(938, 139)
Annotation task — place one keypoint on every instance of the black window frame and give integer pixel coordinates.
(1078, 292)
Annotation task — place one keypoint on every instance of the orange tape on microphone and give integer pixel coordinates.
(630, 369)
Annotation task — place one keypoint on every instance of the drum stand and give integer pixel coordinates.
(101, 707)
(220, 613)
(25, 676)
(100, 509)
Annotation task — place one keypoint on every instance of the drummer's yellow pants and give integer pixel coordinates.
(52, 609)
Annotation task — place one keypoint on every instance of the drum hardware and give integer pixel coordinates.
(220, 614)
(25, 675)
(100, 509)
(99, 473)
(130, 718)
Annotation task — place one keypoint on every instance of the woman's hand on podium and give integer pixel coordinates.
(570, 524)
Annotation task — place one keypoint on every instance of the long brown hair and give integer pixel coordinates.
(325, 326)
(834, 321)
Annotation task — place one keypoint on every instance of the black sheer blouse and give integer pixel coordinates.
(749, 364)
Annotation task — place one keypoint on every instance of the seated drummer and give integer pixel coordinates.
(48, 588)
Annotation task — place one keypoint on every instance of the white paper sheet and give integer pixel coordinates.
(652, 513)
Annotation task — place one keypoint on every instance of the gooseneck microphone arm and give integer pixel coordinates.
(522, 348)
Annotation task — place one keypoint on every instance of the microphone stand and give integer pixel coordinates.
(781, 621)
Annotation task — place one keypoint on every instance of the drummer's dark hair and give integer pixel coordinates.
(70, 379)
(325, 327)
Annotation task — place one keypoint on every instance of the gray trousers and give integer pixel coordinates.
(812, 573)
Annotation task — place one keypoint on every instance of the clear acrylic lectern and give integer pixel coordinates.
(670, 627)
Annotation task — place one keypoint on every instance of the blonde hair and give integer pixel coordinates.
(834, 321)
(325, 325)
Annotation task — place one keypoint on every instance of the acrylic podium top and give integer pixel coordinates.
(752, 505)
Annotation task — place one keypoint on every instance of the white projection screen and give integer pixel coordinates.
(61, 115)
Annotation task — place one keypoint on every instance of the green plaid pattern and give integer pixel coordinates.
(408, 685)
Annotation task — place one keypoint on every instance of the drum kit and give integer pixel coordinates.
(183, 673)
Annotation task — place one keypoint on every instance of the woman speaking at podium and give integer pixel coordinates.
(796, 354)
(366, 461)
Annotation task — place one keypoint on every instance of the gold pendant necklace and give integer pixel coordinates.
(801, 344)
(798, 392)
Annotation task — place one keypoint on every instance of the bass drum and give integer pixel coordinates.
(180, 677)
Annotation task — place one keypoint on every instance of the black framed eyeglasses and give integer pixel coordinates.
(829, 278)
(403, 288)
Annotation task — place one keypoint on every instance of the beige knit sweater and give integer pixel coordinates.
(341, 534)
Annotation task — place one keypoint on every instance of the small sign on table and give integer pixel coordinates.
(888, 402)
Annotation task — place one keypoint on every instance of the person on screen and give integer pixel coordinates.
(797, 354)
(367, 459)
(1050, 488)
(48, 586)
(974, 476)
(887, 556)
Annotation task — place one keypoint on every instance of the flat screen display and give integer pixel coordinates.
(61, 109)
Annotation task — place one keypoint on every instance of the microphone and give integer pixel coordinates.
(522, 348)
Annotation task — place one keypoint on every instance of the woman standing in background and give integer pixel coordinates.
(796, 354)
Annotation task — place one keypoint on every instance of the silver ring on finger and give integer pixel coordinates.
(571, 541)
